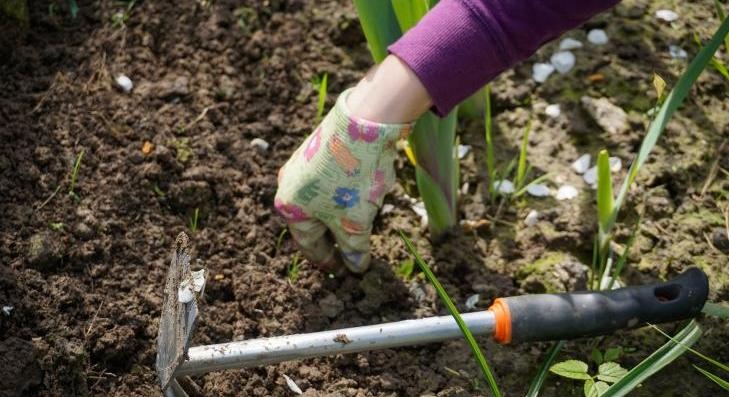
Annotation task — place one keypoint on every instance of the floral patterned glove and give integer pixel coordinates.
(336, 181)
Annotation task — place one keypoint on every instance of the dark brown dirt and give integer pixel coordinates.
(84, 273)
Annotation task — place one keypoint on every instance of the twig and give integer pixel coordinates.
(713, 171)
(91, 324)
(199, 117)
(49, 198)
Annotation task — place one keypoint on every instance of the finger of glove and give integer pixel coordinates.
(313, 242)
(354, 248)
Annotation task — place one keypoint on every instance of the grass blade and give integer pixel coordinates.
(719, 381)
(74, 172)
(604, 192)
(670, 105)
(490, 168)
(656, 361)
(521, 168)
(695, 352)
(538, 380)
(485, 369)
(321, 86)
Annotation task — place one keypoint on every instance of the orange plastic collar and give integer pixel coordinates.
(502, 318)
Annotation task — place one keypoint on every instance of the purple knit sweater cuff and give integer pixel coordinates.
(460, 45)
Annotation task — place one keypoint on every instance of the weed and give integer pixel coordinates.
(320, 85)
(183, 151)
(595, 385)
(159, 192)
(279, 240)
(246, 19)
(292, 271)
(74, 175)
(194, 219)
(56, 226)
(405, 269)
(119, 19)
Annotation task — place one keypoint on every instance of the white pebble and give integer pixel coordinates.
(292, 385)
(570, 44)
(566, 192)
(472, 301)
(581, 164)
(597, 37)
(7, 310)
(553, 110)
(538, 190)
(541, 71)
(532, 218)
(463, 150)
(677, 52)
(125, 83)
(464, 188)
(387, 208)
(615, 164)
(563, 61)
(590, 176)
(184, 293)
(504, 187)
(419, 208)
(259, 143)
(667, 15)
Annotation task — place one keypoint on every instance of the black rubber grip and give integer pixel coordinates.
(544, 317)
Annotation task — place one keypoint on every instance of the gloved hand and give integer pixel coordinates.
(336, 181)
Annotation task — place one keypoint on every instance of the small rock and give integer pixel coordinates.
(7, 310)
(720, 240)
(610, 117)
(541, 71)
(464, 188)
(553, 110)
(566, 192)
(563, 61)
(43, 250)
(677, 52)
(292, 385)
(386, 209)
(472, 301)
(124, 83)
(597, 37)
(83, 231)
(463, 150)
(590, 176)
(667, 15)
(331, 306)
(419, 209)
(173, 86)
(259, 144)
(582, 164)
(570, 44)
(504, 186)
(615, 164)
(538, 190)
(532, 218)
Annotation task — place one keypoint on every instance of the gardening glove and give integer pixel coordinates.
(336, 181)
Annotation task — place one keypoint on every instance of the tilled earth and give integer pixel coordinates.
(82, 264)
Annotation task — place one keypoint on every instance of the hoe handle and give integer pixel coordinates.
(544, 317)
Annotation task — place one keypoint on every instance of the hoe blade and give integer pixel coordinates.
(182, 291)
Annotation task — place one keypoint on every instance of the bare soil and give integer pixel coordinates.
(84, 272)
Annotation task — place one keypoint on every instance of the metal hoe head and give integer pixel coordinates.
(183, 288)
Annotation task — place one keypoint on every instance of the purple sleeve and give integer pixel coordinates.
(460, 45)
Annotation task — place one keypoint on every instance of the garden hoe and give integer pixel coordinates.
(527, 318)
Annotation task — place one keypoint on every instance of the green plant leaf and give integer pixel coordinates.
(573, 369)
(594, 389)
(321, 86)
(716, 310)
(604, 191)
(538, 380)
(610, 372)
(695, 352)
(596, 356)
(521, 168)
(674, 99)
(409, 12)
(656, 361)
(719, 381)
(405, 270)
(379, 25)
(612, 354)
(470, 340)
(440, 216)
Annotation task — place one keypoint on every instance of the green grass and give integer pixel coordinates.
(293, 269)
(194, 221)
(448, 302)
(74, 174)
(320, 85)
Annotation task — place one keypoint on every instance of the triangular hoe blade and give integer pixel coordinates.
(182, 290)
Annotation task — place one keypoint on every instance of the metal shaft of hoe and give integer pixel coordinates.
(255, 352)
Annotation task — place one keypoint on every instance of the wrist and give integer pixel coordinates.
(389, 93)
